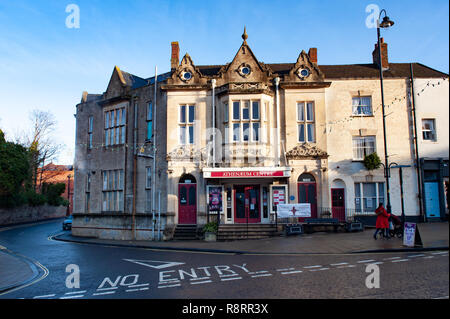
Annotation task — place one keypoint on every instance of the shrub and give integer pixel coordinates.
(372, 161)
(210, 227)
(53, 193)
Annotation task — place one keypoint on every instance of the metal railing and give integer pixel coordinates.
(341, 214)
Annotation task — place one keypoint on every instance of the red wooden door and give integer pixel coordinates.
(307, 194)
(246, 204)
(187, 204)
(338, 204)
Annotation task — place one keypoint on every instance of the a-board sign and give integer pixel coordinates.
(409, 234)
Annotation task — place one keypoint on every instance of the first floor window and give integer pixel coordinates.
(186, 124)
(112, 190)
(306, 122)
(115, 121)
(363, 146)
(362, 105)
(368, 196)
(428, 130)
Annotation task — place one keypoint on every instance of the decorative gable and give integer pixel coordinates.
(304, 70)
(306, 151)
(117, 84)
(187, 74)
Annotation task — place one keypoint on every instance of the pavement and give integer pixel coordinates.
(16, 271)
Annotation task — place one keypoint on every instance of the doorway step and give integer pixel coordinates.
(185, 232)
(240, 231)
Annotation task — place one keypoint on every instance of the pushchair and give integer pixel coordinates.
(395, 226)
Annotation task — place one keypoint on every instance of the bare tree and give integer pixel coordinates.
(41, 143)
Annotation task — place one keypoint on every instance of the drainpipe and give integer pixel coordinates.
(154, 155)
(213, 84)
(416, 146)
(133, 216)
(277, 159)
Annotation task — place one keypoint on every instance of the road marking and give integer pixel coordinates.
(291, 272)
(347, 266)
(169, 286)
(201, 282)
(137, 286)
(428, 257)
(412, 256)
(391, 258)
(258, 272)
(440, 253)
(325, 268)
(202, 278)
(110, 288)
(285, 269)
(103, 293)
(230, 275)
(261, 275)
(231, 278)
(157, 264)
(316, 266)
(70, 297)
(365, 261)
(340, 264)
(75, 292)
(378, 263)
(399, 260)
(44, 296)
(137, 289)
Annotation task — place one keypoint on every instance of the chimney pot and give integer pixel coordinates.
(175, 57)
(312, 53)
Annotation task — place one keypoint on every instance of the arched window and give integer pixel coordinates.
(307, 178)
(187, 179)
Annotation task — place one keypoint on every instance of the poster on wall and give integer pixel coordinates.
(279, 194)
(294, 210)
(215, 198)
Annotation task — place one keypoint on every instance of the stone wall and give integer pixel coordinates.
(26, 214)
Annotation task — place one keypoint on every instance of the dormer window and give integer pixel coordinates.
(303, 73)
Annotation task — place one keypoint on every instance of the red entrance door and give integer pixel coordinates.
(187, 204)
(246, 204)
(307, 194)
(338, 204)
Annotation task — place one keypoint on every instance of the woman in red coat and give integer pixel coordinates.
(382, 221)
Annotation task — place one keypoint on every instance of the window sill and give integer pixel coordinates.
(359, 116)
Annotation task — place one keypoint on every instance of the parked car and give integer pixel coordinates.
(67, 223)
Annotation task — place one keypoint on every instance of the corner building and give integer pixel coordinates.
(230, 142)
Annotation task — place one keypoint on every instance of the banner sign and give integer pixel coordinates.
(409, 234)
(215, 198)
(237, 174)
(294, 210)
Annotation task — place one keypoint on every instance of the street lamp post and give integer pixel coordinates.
(386, 23)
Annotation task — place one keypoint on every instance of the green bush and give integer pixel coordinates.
(35, 199)
(210, 227)
(372, 161)
(53, 192)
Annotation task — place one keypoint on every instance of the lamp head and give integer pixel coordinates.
(386, 23)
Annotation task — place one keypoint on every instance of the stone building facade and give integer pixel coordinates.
(231, 141)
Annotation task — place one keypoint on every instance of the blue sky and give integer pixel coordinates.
(46, 65)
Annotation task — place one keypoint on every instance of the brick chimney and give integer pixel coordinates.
(384, 55)
(313, 55)
(175, 58)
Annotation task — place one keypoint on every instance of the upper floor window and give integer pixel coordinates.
(186, 124)
(306, 122)
(115, 121)
(112, 190)
(246, 121)
(429, 129)
(149, 136)
(90, 130)
(362, 105)
(363, 146)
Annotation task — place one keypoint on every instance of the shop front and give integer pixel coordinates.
(245, 195)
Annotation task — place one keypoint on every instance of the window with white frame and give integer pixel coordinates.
(112, 190)
(368, 196)
(186, 124)
(362, 105)
(306, 122)
(363, 146)
(429, 129)
(246, 121)
(115, 121)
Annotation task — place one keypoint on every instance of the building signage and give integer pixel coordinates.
(238, 174)
(409, 234)
(215, 198)
(294, 210)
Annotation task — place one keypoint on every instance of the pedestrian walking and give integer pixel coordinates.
(382, 223)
